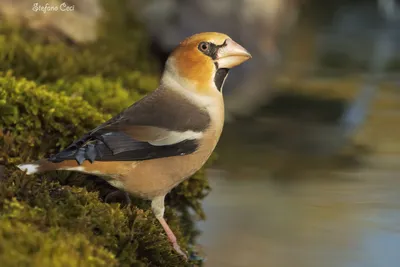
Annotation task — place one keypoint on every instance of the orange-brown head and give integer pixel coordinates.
(201, 62)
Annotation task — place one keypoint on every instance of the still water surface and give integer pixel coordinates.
(319, 213)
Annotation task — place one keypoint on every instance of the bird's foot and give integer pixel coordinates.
(178, 250)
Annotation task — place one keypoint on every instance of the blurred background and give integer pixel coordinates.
(308, 168)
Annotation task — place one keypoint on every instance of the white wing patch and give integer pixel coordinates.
(175, 137)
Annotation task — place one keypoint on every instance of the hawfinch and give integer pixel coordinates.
(158, 142)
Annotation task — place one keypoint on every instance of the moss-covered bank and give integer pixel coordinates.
(51, 92)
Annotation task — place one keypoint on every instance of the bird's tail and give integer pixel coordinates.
(44, 165)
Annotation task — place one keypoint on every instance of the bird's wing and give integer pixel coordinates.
(162, 124)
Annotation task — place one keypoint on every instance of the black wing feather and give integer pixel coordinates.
(124, 149)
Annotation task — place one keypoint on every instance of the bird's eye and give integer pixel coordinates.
(203, 46)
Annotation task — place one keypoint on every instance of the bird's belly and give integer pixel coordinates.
(152, 178)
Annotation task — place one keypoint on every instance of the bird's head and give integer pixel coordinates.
(201, 62)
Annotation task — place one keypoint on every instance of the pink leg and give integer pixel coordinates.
(157, 206)
(172, 237)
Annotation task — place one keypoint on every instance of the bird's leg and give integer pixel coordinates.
(157, 205)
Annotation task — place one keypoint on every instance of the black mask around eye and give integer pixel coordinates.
(210, 49)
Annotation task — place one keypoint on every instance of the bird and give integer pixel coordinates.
(164, 138)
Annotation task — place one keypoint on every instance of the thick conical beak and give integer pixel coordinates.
(231, 55)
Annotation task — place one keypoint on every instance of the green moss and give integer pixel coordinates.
(108, 96)
(51, 93)
(40, 119)
(95, 231)
(23, 245)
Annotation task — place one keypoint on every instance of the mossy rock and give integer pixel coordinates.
(51, 93)
(41, 119)
(97, 233)
(24, 245)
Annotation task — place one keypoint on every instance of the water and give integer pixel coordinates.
(273, 204)
(319, 218)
